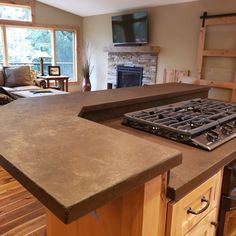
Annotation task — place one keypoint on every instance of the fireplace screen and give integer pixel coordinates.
(128, 76)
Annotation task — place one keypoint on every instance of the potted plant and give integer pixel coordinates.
(87, 70)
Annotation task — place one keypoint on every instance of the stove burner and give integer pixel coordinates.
(197, 123)
(204, 123)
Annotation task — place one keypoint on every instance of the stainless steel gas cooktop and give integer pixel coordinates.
(204, 123)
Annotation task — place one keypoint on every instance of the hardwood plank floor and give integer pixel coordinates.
(21, 214)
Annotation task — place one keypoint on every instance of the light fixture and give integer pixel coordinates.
(42, 55)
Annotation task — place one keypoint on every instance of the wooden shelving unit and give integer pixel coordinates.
(207, 20)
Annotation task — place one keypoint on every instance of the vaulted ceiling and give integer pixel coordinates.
(97, 7)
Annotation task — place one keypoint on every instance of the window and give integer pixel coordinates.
(22, 42)
(17, 13)
(32, 41)
(24, 46)
(65, 52)
(1, 49)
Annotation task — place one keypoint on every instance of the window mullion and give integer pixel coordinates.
(53, 47)
(33, 5)
(4, 41)
(76, 54)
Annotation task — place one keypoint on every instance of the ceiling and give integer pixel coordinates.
(98, 7)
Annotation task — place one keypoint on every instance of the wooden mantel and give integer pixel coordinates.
(133, 49)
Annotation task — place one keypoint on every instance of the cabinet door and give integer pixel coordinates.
(205, 226)
(230, 223)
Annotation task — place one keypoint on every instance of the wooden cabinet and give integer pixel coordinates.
(192, 215)
(140, 212)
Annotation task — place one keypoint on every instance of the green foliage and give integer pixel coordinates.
(65, 52)
(24, 43)
(15, 13)
(64, 46)
(39, 40)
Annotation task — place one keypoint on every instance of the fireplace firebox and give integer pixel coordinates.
(129, 76)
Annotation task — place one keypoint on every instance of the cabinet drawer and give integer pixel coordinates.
(187, 212)
(205, 226)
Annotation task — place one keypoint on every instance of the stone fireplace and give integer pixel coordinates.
(145, 57)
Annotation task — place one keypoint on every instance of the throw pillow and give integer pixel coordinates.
(8, 93)
(17, 76)
(4, 99)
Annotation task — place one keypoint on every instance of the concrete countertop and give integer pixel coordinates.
(73, 165)
(197, 165)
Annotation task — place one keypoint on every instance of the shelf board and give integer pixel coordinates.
(216, 84)
(219, 53)
(132, 49)
(221, 20)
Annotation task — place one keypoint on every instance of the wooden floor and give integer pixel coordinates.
(20, 213)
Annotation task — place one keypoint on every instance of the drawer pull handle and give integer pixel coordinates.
(190, 211)
(216, 224)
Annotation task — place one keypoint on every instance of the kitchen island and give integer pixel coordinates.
(74, 165)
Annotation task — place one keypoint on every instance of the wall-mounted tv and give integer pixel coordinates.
(130, 29)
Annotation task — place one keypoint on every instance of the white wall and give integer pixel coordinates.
(98, 34)
(46, 14)
(175, 28)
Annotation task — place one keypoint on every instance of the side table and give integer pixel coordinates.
(60, 79)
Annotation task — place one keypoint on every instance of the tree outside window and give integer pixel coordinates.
(24, 44)
(19, 13)
(65, 52)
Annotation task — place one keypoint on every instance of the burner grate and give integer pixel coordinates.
(183, 120)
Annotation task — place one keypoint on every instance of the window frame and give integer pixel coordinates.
(53, 29)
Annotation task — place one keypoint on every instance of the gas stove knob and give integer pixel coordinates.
(227, 129)
(212, 136)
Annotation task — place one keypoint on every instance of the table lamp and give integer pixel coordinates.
(41, 55)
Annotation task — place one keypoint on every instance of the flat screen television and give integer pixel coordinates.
(131, 29)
